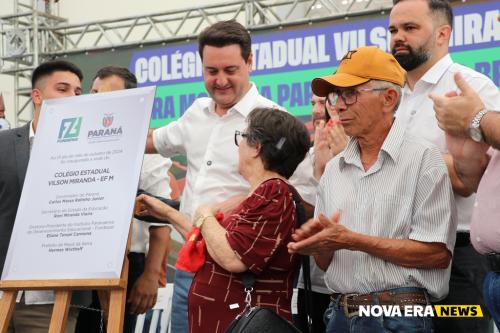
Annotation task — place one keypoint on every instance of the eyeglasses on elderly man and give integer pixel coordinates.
(349, 96)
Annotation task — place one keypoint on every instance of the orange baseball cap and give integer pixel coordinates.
(359, 66)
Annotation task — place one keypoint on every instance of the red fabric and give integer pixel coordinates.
(258, 232)
(192, 254)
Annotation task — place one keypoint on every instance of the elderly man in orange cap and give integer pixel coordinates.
(384, 226)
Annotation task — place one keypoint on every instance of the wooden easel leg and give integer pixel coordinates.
(60, 311)
(7, 304)
(118, 297)
(116, 310)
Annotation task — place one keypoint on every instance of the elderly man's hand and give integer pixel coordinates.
(455, 112)
(320, 236)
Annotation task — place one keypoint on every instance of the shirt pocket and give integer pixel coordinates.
(391, 216)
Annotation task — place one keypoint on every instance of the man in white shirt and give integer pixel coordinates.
(205, 134)
(420, 33)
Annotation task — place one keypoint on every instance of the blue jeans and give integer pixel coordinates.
(491, 294)
(337, 322)
(182, 284)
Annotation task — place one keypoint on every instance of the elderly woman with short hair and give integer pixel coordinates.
(254, 236)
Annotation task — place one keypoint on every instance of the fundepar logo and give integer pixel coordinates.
(69, 129)
(420, 311)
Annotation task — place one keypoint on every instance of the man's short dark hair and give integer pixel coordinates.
(284, 139)
(128, 77)
(226, 33)
(49, 67)
(437, 7)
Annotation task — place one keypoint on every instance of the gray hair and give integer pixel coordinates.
(388, 85)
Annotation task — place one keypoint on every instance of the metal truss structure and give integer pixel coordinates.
(34, 33)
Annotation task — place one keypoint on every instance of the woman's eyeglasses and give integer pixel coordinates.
(238, 136)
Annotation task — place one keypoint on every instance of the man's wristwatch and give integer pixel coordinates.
(200, 220)
(475, 132)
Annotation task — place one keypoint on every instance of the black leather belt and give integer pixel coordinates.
(463, 239)
(493, 261)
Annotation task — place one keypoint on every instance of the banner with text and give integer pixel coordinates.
(285, 61)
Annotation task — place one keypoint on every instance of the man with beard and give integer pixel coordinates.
(420, 32)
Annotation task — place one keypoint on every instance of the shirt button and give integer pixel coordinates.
(413, 112)
(209, 163)
(475, 204)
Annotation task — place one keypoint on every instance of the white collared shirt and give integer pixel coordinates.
(31, 136)
(207, 140)
(154, 179)
(417, 114)
(4, 124)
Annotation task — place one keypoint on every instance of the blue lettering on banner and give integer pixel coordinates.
(475, 27)
(492, 70)
(266, 91)
(163, 108)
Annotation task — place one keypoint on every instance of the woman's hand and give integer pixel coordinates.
(149, 206)
(329, 140)
(322, 152)
(337, 138)
(204, 210)
(217, 244)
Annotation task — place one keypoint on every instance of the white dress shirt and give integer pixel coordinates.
(155, 180)
(416, 113)
(207, 140)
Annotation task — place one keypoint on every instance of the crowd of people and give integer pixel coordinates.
(399, 185)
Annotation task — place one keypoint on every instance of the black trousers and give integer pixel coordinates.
(320, 303)
(89, 321)
(468, 270)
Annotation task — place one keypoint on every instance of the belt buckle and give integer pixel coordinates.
(346, 307)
